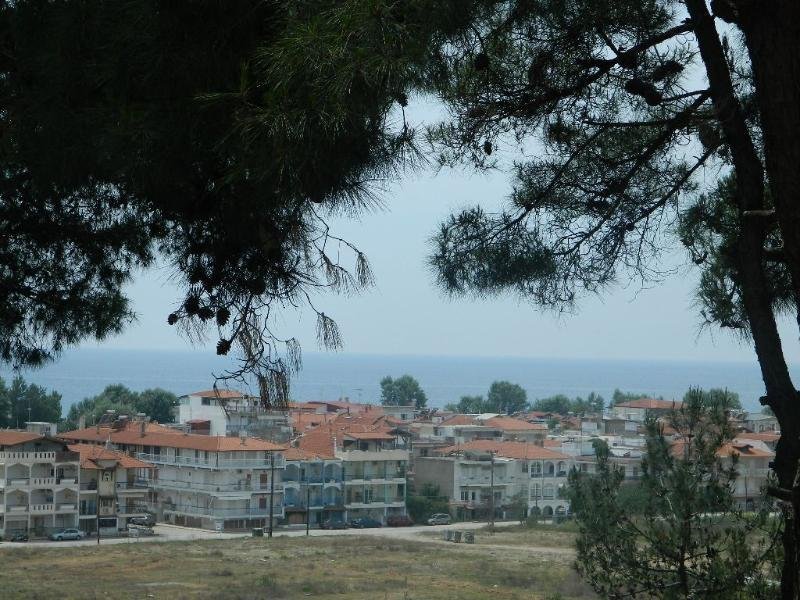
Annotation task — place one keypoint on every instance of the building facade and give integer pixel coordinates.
(211, 482)
(39, 484)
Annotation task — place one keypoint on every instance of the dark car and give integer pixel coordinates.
(333, 524)
(20, 536)
(365, 523)
(146, 521)
(399, 521)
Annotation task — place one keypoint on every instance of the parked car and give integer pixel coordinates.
(20, 536)
(399, 521)
(439, 519)
(333, 524)
(365, 523)
(146, 521)
(67, 534)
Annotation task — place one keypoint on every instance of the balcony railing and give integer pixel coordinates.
(214, 487)
(28, 456)
(42, 508)
(230, 513)
(139, 484)
(220, 463)
(66, 507)
(18, 508)
(43, 481)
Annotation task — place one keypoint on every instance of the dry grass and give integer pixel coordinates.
(322, 567)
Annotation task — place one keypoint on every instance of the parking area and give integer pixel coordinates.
(172, 533)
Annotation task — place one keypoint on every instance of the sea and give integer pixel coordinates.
(85, 372)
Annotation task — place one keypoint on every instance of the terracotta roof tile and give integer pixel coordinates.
(512, 424)
(92, 452)
(651, 403)
(226, 394)
(172, 439)
(9, 437)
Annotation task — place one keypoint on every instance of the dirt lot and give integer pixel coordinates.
(499, 566)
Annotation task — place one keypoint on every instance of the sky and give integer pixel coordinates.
(405, 312)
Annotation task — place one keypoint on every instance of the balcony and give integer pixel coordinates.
(191, 461)
(139, 485)
(66, 508)
(42, 481)
(17, 509)
(224, 513)
(42, 508)
(27, 457)
(221, 488)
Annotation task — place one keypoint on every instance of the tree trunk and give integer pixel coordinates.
(772, 36)
(781, 394)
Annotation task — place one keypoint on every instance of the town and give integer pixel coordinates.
(229, 464)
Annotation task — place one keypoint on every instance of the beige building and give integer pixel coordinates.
(113, 488)
(39, 484)
(212, 482)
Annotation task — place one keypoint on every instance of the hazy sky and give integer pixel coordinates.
(406, 314)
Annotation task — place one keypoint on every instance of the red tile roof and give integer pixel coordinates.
(512, 424)
(518, 450)
(651, 403)
(172, 439)
(9, 437)
(460, 420)
(764, 436)
(226, 394)
(90, 453)
(300, 454)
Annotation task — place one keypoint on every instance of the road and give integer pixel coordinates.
(173, 533)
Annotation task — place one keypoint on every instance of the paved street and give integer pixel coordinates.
(172, 533)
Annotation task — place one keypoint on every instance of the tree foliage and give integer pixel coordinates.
(156, 403)
(426, 502)
(685, 537)
(219, 138)
(506, 397)
(469, 405)
(22, 402)
(403, 391)
(618, 397)
(561, 404)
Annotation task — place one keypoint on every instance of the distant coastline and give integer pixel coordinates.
(86, 371)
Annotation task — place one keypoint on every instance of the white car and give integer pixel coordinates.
(67, 534)
(439, 519)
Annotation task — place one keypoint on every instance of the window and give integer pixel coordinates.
(551, 469)
(206, 401)
(464, 496)
(524, 467)
(549, 491)
(536, 469)
(536, 491)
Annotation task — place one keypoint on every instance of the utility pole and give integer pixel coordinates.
(308, 507)
(491, 492)
(97, 513)
(271, 489)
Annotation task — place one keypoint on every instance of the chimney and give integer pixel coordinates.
(243, 437)
(82, 422)
(142, 427)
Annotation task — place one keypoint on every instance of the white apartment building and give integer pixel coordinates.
(39, 484)
(478, 475)
(212, 482)
(228, 412)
